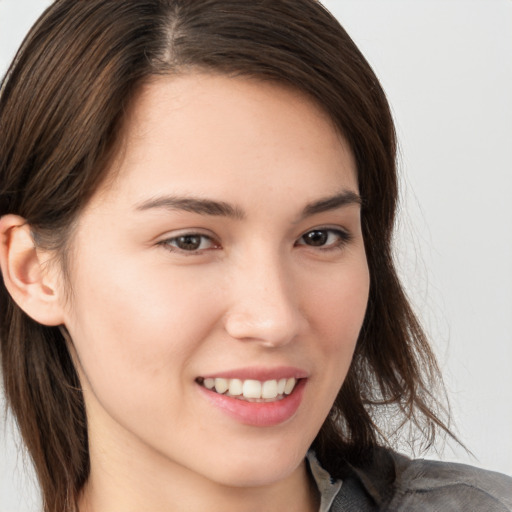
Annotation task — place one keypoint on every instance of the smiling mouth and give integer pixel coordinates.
(250, 390)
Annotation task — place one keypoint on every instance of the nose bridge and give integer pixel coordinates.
(264, 305)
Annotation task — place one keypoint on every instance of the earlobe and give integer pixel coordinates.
(25, 274)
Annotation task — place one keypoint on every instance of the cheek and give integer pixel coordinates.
(135, 330)
(340, 305)
(339, 308)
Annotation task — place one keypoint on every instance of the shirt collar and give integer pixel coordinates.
(327, 485)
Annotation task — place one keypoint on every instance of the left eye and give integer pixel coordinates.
(189, 242)
(327, 238)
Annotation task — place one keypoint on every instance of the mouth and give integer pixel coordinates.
(250, 390)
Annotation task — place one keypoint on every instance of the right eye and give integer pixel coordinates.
(324, 238)
(191, 243)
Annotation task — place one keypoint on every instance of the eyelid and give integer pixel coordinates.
(344, 237)
(171, 237)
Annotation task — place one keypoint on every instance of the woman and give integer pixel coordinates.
(200, 307)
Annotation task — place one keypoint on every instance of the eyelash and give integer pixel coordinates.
(343, 238)
(169, 243)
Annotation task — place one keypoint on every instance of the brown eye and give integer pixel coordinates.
(189, 242)
(316, 237)
(324, 238)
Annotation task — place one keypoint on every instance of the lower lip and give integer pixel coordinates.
(258, 414)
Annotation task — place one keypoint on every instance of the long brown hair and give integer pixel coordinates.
(62, 107)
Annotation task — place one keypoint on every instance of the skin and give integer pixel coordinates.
(148, 318)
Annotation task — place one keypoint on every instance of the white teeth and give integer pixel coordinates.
(290, 384)
(235, 387)
(221, 385)
(251, 389)
(269, 389)
(209, 383)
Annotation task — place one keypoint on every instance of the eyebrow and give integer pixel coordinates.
(194, 205)
(223, 209)
(344, 198)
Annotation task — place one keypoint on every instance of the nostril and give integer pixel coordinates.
(269, 328)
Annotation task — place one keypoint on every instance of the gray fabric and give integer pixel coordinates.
(394, 483)
(429, 486)
(327, 486)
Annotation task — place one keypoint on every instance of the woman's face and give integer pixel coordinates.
(226, 252)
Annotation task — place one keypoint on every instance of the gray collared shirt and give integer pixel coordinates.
(327, 486)
(394, 483)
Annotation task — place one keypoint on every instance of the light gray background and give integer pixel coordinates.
(447, 68)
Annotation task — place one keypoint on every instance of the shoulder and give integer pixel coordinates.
(398, 484)
(431, 485)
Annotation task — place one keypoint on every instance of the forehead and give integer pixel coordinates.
(218, 129)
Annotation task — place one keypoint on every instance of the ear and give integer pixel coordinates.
(30, 281)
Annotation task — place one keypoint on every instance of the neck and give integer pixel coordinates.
(137, 487)
(128, 477)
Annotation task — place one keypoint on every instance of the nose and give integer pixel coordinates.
(264, 305)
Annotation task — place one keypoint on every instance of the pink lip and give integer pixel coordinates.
(262, 374)
(258, 414)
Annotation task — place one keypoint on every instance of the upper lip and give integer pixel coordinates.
(260, 373)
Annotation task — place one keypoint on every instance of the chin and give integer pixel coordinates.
(256, 470)
(253, 477)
